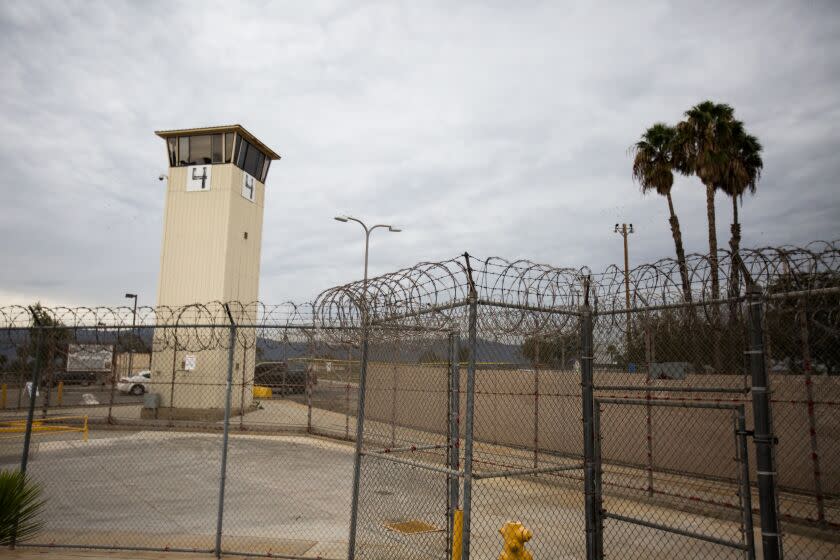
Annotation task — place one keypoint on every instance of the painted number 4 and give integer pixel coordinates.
(198, 178)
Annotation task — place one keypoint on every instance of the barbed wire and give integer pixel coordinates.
(518, 297)
(523, 296)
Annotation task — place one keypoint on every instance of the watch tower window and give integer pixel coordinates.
(228, 145)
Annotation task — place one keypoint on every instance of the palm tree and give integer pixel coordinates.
(703, 147)
(741, 176)
(653, 170)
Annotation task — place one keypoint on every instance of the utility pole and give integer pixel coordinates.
(625, 230)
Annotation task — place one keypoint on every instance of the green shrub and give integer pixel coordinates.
(20, 507)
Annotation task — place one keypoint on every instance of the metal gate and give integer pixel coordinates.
(642, 491)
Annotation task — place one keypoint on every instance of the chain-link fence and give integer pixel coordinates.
(416, 414)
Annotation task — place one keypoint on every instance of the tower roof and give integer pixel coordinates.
(238, 128)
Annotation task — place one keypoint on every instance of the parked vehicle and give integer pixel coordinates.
(71, 378)
(283, 378)
(136, 384)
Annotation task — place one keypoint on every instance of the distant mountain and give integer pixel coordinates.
(270, 350)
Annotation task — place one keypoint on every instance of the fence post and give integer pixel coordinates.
(172, 385)
(308, 381)
(242, 377)
(360, 431)
(50, 371)
(598, 479)
(228, 391)
(591, 507)
(537, 406)
(648, 409)
(764, 440)
(33, 395)
(453, 441)
(745, 491)
(394, 406)
(812, 422)
(114, 377)
(469, 426)
(349, 375)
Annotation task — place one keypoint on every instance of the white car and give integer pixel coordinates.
(136, 384)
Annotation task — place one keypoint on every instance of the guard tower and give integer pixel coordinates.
(212, 235)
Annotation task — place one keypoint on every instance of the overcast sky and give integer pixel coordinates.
(498, 128)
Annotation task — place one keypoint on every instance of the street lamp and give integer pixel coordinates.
(360, 415)
(368, 231)
(133, 332)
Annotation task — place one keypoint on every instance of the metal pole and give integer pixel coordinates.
(172, 386)
(450, 509)
(360, 431)
(626, 274)
(347, 397)
(537, 406)
(764, 439)
(812, 422)
(745, 490)
(360, 415)
(597, 484)
(308, 384)
(367, 245)
(394, 406)
(49, 365)
(114, 367)
(648, 414)
(242, 389)
(133, 339)
(27, 436)
(468, 429)
(624, 231)
(593, 549)
(223, 474)
(453, 438)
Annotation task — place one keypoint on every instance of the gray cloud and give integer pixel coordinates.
(492, 128)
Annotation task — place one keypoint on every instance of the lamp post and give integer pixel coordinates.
(133, 333)
(360, 416)
(368, 231)
(625, 231)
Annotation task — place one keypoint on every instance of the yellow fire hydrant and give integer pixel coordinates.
(515, 535)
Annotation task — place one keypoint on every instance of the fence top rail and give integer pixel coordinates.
(673, 404)
(218, 326)
(644, 388)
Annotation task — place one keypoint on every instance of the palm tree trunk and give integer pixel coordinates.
(713, 248)
(713, 266)
(735, 240)
(735, 246)
(675, 231)
(735, 273)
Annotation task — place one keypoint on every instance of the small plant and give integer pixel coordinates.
(20, 507)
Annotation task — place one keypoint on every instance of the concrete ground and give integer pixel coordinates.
(289, 494)
(59, 554)
(284, 495)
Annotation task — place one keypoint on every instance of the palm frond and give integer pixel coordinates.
(20, 507)
(652, 162)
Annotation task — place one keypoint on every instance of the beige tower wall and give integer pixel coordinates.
(202, 389)
(206, 257)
